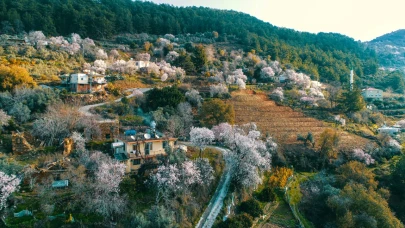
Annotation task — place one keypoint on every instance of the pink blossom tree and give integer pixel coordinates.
(360, 155)
(143, 57)
(101, 54)
(267, 73)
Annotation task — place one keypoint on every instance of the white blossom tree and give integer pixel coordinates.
(36, 38)
(4, 118)
(217, 90)
(8, 185)
(275, 65)
(79, 141)
(101, 54)
(241, 84)
(176, 179)
(166, 180)
(201, 137)
(75, 38)
(267, 73)
(194, 97)
(360, 155)
(99, 66)
(119, 66)
(143, 57)
(250, 155)
(114, 54)
(171, 56)
(101, 194)
(164, 77)
(277, 94)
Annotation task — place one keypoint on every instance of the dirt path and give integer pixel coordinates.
(85, 110)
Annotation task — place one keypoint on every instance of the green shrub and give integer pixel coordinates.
(131, 120)
(251, 207)
(238, 221)
(266, 195)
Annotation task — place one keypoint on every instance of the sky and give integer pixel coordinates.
(361, 19)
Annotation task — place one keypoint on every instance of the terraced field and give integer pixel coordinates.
(282, 122)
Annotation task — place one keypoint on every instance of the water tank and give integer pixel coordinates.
(130, 132)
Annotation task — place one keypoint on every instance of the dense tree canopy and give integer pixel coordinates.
(215, 111)
(168, 96)
(328, 55)
(13, 76)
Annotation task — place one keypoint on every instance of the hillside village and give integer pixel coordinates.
(197, 129)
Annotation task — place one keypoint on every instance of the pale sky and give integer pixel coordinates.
(361, 19)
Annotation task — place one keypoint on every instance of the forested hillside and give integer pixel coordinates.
(326, 56)
(390, 49)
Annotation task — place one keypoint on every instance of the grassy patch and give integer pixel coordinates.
(282, 215)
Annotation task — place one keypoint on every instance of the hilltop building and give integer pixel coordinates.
(84, 83)
(372, 94)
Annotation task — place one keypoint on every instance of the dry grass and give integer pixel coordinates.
(281, 122)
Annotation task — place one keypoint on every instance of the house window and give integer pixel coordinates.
(18, 140)
(165, 144)
(134, 147)
(136, 162)
(148, 148)
(107, 136)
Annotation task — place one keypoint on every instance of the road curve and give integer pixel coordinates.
(85, 110)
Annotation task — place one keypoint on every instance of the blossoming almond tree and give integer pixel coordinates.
(201, 137)
(176, 179)
(250, 155)
(8, 185)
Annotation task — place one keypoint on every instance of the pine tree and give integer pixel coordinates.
(351, 100)
(199, 58)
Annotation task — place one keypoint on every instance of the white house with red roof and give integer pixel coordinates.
(372, 93)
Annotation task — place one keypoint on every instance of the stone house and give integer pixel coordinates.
(135, 151)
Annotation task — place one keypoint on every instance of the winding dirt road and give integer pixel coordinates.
(85, 110)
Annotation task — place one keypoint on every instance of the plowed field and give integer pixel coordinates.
(283, 123)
